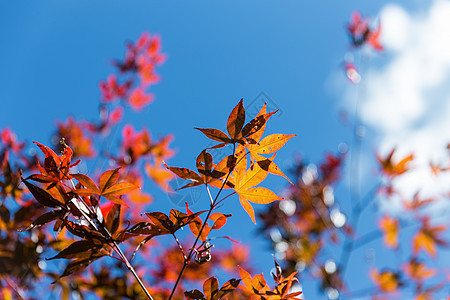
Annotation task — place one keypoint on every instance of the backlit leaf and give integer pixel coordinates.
(390, 228)
(108, 179)
(87, 182)
(211, 288)
(228, 287)
(215, 134)
(236, 120)
(270, 143)
(113, 219)
(248, 208)
(184, 173)
(268, 165)
(255, 125)
(119, 189)
(254, 176)
(387, 281)
(42, 196)
(259, 195)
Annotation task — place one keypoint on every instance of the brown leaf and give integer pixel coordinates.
(113, 219)
(215, 134)
(211, 288)
(184, 173)
(228, 287)
(255, 125)
(161, 221)
(79, 265)
(74, 249)
(45, 218)
(42, 196)
(194, 295)
(204, 164)
(236, 120)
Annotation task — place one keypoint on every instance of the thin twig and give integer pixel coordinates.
(212, 205)
(102, 229)
(179, 246)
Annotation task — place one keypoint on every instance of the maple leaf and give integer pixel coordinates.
(244, 181)
(206, 173)
(9, 139)
(418, 271)
(361, 33)
(374, 38)
(389, 227)
(115, 115)
(56, 167)
(138, 99)
(160, 175)
(74, 135)
(259, 289)
(238, 133)
(107, 188)
(416, 203)
(387, 281)
(392, 169)
(111, 90)
(427, 238)
(269, 144)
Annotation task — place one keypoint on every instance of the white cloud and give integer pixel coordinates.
(407, 100)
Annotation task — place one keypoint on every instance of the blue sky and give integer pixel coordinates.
(54, 54)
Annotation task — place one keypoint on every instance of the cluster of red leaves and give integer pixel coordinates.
(139, 64)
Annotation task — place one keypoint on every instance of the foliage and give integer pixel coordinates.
(51, 210)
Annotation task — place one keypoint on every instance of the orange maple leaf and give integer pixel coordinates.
(160, 175)
(418, 271)
(374, 38)
(427, 238)
(387, 281)
(244, 181)
(107, 187)
(391, 168)
(138, 99)
(389, 226)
